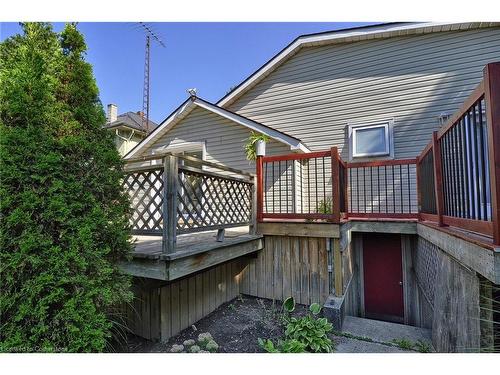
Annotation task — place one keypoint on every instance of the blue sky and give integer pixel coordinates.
(209, 56)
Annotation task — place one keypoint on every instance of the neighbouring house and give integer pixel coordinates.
(378, 196)
(128, 128)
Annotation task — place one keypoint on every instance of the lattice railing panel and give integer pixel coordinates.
(145, 190)
(207, 201)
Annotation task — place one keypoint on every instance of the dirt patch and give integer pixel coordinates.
(235, 326)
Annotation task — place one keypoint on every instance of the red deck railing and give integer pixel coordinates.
(455, 181)
(459, 170)
(299, 186)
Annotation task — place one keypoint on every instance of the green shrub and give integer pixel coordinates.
(64, 216)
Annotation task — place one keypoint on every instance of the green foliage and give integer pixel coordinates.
(194, 349)
(315, 308)
(289, 304)
(422, 347)
(325, 206)
(304, 334)
(212, 346)
(312, 332)
(283, 346)
(64, 216)
(268, 345)
(250, 146)
(204, 338)
(403, 344)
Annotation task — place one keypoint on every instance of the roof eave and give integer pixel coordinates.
(375, 31)
(184, 109)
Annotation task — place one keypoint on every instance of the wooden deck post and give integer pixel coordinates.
(438, 177)
(337, 268)
(492, 98)
(334, 154)
(260, 189)
(170, 181)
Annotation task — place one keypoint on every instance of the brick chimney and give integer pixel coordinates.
(112, 114)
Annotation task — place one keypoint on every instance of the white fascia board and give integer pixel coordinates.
(165, 126)
(293, 143)
(184, 110)
(382, 31)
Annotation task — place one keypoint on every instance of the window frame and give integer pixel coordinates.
(388, 132)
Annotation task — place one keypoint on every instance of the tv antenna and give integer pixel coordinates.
(150, 34)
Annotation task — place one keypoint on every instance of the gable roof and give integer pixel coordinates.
(381, 31)
(191, 103)
(131, 120)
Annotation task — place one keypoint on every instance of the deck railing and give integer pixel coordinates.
(385, 188)
(300, 186)
(173, 194)
(459, 170)
(455, 181)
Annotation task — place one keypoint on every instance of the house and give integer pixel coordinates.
(378, 194)
(128, 128)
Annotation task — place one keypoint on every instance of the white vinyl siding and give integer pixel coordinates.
(317, 92)
(224, 140)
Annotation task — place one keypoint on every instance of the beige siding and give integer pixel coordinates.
(319, 91)
(224, 140)
(124, 146)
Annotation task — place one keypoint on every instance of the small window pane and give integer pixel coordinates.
(371, 141)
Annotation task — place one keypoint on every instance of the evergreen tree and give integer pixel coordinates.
(64, 216)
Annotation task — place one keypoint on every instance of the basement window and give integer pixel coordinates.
(371, 140)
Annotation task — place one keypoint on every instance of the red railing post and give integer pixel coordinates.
(492, 98)
(438, 177)
(260, 189)
(346, 190)
(419, 195)
(334, 153)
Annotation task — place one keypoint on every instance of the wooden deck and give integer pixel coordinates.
(193, 252)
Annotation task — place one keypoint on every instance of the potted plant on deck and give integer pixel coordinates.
(256, 145)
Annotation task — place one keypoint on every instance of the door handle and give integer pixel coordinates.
(400, 283)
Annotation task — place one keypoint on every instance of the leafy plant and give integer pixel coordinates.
(422, 347)
(325, 206)
(250, 146)
(289, 305)
(403, 344)
(268, 346)
(283, 346)
(303, 334)
(311, 331)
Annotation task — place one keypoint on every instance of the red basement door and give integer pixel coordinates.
(383, 277)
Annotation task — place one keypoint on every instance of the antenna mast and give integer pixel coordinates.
(146, 90)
